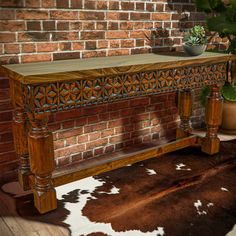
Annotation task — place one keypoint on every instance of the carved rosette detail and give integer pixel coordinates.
(53, 97)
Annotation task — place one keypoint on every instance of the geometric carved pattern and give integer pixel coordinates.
(52, 97)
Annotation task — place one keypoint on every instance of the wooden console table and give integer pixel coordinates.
(38, 89)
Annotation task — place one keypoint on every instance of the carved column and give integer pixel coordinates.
(185, 103)
(20, 136)
(213, 117)
(42, 164)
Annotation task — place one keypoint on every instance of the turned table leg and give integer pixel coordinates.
(20, 136)
(42, 164)
(185, 102)
(211, 143)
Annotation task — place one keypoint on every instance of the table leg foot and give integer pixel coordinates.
(44, 195)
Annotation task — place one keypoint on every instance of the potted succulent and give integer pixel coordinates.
(222, 19)
(195, 41)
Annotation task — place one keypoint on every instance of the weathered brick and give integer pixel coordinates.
(28, 47)
(62, 3)
(7, 37)
(97, 143)
(32, 14)
(76, 4)
(35, 58)
(117, 34)
(86, 15)
(12, 3)
(63, 15)
(66, 55)
(11, 48)
(12, 25)
(34, 25)
(32, 3)
(92, 35)
(6, 14)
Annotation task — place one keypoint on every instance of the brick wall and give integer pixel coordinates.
(45, 30)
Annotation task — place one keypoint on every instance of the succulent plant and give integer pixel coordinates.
(195, 36)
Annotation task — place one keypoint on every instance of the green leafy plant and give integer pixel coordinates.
(221, 18)
(195, 36)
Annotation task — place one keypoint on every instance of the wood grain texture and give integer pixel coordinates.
(69, 70)
(213, 117)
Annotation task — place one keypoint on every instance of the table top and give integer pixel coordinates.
(75, 69)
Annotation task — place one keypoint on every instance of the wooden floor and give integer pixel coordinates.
(18, 217)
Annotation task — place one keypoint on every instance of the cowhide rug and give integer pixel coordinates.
(182, 193)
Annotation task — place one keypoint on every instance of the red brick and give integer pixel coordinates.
(63, 161)
(71, 141)
(64, 15)
(65, 46)
(127, 5)
(32, 14)
(113, 26)
(82, 138)
(6, 147)
(7, 14)
(114, 5)
(32, 3)
(126, 25)
(127, 43)
(118, 122)
(12, 3)
(102, 44)
(97, 143)
(92, 119)
(92, 35)
(67, 151)
(76, 157)
(161, 16)
(107, 133)
(68, 124)
(48, 3)
(8, 157)
(33, 36)
(68, 36)
(140, 16)
(114, 43)
(117, 16)
(87, 154)
(94, 136)
(77, 45)
(34, 25)
(4, 84)
(62, 3)
(102, 5)
(87, 15)
(93, 54)
(11, 48)
(140, 6)
(139, 102)
(96, 127)
(66, 55)
(28, 47)
(7, 37)
(35, 58)
(6, 126)
(119, 138)
(49, 25)
(90, 45)
(109, 149)
(117, 34)
(70, 133)
(98, 151)
(115, 115)
(59, 144)
(12, 25)
(81, 121)
(9, 60)
(89, 4)
(76, 4)
(63, 25)
(47, 47)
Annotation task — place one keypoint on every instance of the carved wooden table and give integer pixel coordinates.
(37, 89)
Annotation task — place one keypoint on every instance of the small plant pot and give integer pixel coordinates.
(194, 50)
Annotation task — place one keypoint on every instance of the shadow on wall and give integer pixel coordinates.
(167, 36)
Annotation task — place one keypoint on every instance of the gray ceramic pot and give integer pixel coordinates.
(194, 50)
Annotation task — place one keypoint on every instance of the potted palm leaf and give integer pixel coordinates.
(221, 18)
